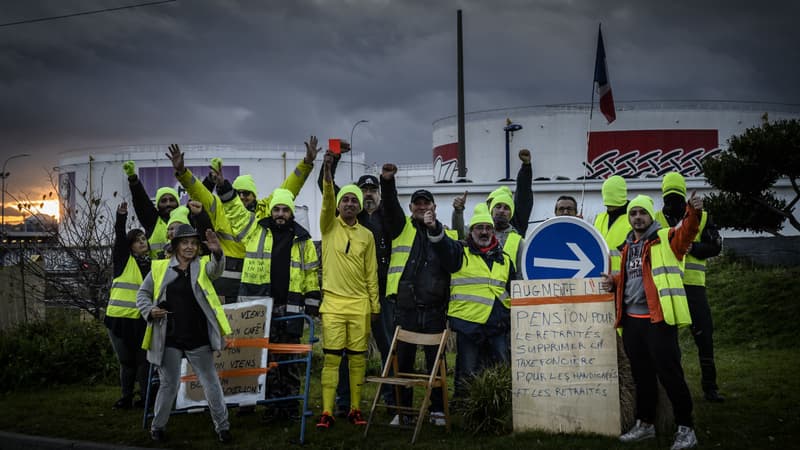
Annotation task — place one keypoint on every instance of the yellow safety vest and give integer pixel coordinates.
(159, 269)
(122, 298)
(158, 240)
(512, 245)
(668, 278)
(401, 249)
(258, 260)
(695, 268)
(473, 289)
(615, 236)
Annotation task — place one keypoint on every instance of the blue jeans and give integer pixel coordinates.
(476, 352)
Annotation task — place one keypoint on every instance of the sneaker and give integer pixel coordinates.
(639, 432)
(225, 436)
(684, 438)
(356, 418)
(325, 421)
(713, 396)
(158, 435)
(402, 419)
(438, 419)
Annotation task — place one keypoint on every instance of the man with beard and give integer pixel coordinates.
(707, 244)
(480, 305)
(502, 210)
(350, 287)
(372, 218)
(417, 285)
(153, 218)
(651, 304)
(227, 285)
(280, 262)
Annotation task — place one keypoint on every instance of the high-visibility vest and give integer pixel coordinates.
(474, 288)
(694, 268)
(158, 240)
(159, 269)
(401, 249)
(258, 260)
(122, 297)
(668, 278)
(512, 245)
(615, 236)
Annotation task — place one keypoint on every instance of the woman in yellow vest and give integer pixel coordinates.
(131, 256)
(185, 319)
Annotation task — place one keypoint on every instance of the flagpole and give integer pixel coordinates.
(588, 133)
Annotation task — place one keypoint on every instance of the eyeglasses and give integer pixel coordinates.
(483, 227)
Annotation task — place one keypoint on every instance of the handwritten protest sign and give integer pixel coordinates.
(564, 357)
(242, 368)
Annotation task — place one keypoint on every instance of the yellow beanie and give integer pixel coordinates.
(282, 196)
(245, 183)
(481, 215)
(350, 189)
(501, 190)
(504, 199)
(615, 191)
(179, 214)
(644, 202)
(673, 183)
(166, 190)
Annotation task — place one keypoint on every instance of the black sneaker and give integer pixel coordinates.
(225, 436)
(158, 435)
(713, 396)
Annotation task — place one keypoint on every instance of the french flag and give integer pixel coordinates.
(601, 83)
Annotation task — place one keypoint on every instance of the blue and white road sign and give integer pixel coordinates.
(564, 247)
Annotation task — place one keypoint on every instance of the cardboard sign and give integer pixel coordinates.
(242, 368)
(564, 357)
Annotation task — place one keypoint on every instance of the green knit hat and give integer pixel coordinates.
(644, 202)
(245, 183)
(350, 189)
(504, 199)
(282, 196)
(179, 214)
(615, 191)
(166, 190)
(481, 215)
(501, 190)
(673, 183)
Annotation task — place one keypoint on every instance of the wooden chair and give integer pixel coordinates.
(437, 378)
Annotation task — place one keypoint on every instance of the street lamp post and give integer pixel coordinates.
(5, 175)
(351, 145)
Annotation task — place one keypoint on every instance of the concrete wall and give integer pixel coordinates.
(21, 296)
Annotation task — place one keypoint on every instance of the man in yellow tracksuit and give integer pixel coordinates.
(350, 293)
(227, 285)
(612, 224)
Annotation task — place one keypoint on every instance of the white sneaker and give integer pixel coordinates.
(404, 420)
(438, 419)
(639, 432)
(395, 421)
(684, 438)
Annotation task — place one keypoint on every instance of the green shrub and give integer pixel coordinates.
(487, 407)
(56, 352)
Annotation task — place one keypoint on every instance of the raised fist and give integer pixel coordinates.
(525, 156)
(129, 167)
(388, 171)
(460, 202)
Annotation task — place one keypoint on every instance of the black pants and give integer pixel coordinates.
(653, 351)
(284, 380)
(703, 333)
(420, 321)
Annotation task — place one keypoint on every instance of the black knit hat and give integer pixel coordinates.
(183, 231)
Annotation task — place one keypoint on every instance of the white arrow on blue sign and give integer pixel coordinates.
(564, 247)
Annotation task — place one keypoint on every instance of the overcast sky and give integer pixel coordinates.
(228, 71)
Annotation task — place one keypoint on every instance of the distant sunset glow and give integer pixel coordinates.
(14, 215)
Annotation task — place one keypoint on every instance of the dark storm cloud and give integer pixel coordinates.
(277, 71)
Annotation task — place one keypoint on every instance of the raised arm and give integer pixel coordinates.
(146, 212)
(523, 197)
(393, 215)
(457, 218)
(450, 251)
(327, 215)
(122, 250)
(682, 234)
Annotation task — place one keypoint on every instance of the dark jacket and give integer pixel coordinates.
(424, 283)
